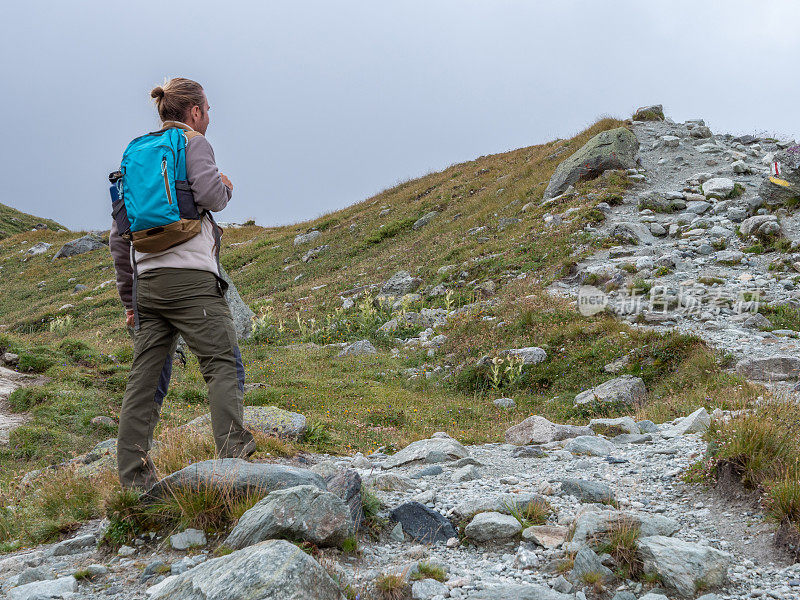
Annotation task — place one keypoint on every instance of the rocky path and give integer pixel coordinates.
(680, 220)
(639, 473)
(10, 381)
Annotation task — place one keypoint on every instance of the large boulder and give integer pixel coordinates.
(421, 449)
(770, 368)
(531, 355)
(48, 588)
(780, 190)
(359, 348)
(266, 419)
(623, 390)
(274, 569)
(236, 477)
(241, 313)
(304, 512)
(649, 113)
(613, 149)
(763, 227)
(82, 245)
(538, 430)
(682, 565)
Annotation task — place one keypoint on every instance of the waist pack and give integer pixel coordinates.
(151, 200)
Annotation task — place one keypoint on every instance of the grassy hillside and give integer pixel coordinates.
(14, 221)
(491, 235)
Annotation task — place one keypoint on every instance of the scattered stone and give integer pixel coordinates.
(492, 526)
(359, 348)
(504, 403)
(626, 389)
(587, 491)
(587, 562)
(538, 430)
(347, 486)
(306, 238)
(74, 545)
(423, 524)
(718, 187)
(429, 589)
(529, 356)
(612, 427)
(422, 449)
(189, 538)
(589, 446)
(424, 220)
(548, 536)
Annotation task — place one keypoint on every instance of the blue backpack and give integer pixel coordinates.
(152, 202)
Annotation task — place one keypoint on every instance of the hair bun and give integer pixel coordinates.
(157, 93)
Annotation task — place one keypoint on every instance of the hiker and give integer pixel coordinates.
(165, 244)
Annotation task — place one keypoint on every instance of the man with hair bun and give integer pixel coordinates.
(179, 291)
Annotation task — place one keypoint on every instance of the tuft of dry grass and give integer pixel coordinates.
(621, 541)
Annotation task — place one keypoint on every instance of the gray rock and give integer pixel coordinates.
(39, 248)
(74, 545)
(274, 569)
(632, 233)
(81, 245)
(306, 238)
(347, 486)
(683, 565)
(612, 427)
(314, 253)
(649, 113)
(35, 574)
(614, 149)
(590, 446)
(538, 430)
(526, 558)
(757, 321)
(528, 452)
(759, 226)
(502, 503)
(304, 513)
(504, 403)
(359, 348)
(624, 595)
(237, 476)
(421, 449)
(587, 562)
(397, 534)
(189, 538)
(424, 220)
(530, 356)
(647, 426)
(547, 536)
(697, 422)
(770, 368)
(400, 283)
(632, 438)
(466, 473)
(430, 471)
(427, 589)
(587, 491)
(49, 588)
(266, 419)
(591, 525)
(240, 311)
(423, 524)
(492, 526)
(718, 187)
(729, 257)
(775, 194)
(626, 389)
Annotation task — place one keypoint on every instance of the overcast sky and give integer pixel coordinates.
(317, 105)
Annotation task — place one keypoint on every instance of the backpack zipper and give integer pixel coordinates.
(166, 178)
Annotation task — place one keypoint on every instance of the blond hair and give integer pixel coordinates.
(176, 97)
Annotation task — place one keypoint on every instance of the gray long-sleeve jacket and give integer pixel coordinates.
(200, 251)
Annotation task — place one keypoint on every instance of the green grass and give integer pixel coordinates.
(13, 221)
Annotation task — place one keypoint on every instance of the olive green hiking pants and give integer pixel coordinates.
(188, 302)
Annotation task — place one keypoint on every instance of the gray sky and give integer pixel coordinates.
(317, 105)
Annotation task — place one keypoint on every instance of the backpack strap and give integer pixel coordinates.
(191, 134)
